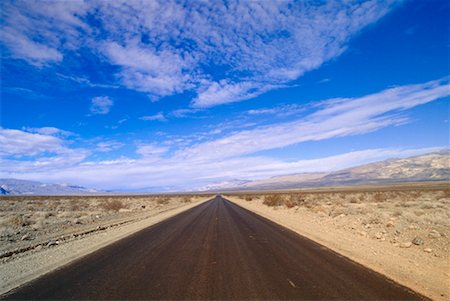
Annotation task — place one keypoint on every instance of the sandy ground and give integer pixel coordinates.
(402, 234)
(71, 227)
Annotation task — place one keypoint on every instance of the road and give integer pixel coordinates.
(216, 250)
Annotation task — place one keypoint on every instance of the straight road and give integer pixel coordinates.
(216, 250)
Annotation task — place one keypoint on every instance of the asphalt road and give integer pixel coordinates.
(216, 250)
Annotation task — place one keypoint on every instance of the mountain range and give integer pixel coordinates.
(424, 168)
(24, 187)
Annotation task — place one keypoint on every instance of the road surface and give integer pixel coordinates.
(216, 250)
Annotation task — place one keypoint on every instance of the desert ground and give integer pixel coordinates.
(402, 232)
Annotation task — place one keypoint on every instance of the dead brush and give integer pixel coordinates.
(379, 197)
(248, 198)
(273, 200)
(112, 205)
(19, 221)
(187, 199)
(163, 200)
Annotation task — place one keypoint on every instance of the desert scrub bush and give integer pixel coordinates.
(164, 200)
(379, 197)
(289, 203)
(75, 207)
(273, 200)
(187, 199)
(19, 221)
(112, 205)
(248, 198)
(297, 198)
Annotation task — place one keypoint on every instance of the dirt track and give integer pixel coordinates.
(216, 250)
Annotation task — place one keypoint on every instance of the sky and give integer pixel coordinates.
(180, 95)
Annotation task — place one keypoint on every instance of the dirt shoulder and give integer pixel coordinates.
(48, 250)
(401, 234)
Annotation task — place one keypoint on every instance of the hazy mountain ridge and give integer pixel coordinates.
(25, 187)
(429, 167)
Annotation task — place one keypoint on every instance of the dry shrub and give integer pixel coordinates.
(75, 207)
(19, 221)
(164, 200)
(248, 198)
(187, 199)
(297, 198)
(379, 197)
(112, 205)
(289, 203)
(354, 200)
(273, 200)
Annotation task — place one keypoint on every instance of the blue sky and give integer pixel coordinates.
(174, 95)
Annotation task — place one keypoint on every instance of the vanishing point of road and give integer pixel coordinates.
(216, 250)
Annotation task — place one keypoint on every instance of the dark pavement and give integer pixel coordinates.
(216, 250)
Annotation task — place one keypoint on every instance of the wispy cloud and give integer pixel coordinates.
(333, 118)
(20, 143)
(224, 91)
(48, 152)
(101, 105)
(49, 130)
(107, 146)
(38, 31)
(284, 110)
(163, 48)
(157, 117)
(150, 150)
(181, 113)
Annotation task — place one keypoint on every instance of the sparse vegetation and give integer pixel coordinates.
(163, 200)
(248, 198)
(273, 200)
(114, 205)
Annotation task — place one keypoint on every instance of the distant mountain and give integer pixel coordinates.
(24, 187)
(224, 185)
(429, 167)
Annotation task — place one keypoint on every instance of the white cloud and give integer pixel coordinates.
(181, 113)
(333, 118)
(146, 70)
(157, 117)
(107, 146)
(20, 143)
(48, 152)
(37, 31)
(101, 105)
(150, 150)
(225, 52)
(225, 92)
(48, 130)
(285, 110)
